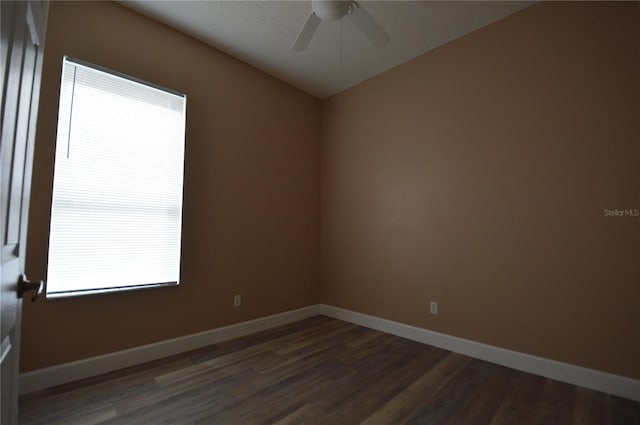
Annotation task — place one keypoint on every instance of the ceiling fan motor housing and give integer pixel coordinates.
(329, 10)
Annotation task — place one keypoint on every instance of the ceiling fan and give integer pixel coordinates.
(327, 10)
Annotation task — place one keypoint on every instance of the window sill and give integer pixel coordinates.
(79, 293)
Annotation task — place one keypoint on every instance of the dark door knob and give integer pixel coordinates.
(25, 285)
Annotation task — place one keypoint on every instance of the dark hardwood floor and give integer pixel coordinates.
(323, 371)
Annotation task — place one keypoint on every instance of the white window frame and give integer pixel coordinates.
(57, 285)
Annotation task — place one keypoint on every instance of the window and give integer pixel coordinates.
(116, 211)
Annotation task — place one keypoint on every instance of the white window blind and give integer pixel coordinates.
(116, 211)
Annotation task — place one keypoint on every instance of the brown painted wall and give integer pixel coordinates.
(477, 175)
(251, 202)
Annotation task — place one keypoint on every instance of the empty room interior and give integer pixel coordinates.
(441, 226)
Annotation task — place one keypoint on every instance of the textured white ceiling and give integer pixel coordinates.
(339, 56)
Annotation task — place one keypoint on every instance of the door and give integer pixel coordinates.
(23, 31)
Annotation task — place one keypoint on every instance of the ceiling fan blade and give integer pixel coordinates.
(368, 26)
(305, 34)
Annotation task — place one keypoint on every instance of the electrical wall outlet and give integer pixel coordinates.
(237, 300)
(434, 308)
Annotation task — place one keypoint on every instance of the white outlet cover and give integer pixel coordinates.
(434, 307)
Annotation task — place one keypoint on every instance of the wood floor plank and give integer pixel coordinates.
(213, 365)
(483, 404)
(624, 411)
(313, 363)
(181, 407)
(522, 401)
(362, 336)
(368, 349)
(426, 386)
(333, 336)
(384, 384)
(556, 405)
(591, 408)
(305, 414)
(89, 418)
(92, 392)
(447, 402)
(159, 394)
(322, 371)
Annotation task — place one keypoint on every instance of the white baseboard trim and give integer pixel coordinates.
(564, 372)
(68, 372)
(589, 378)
